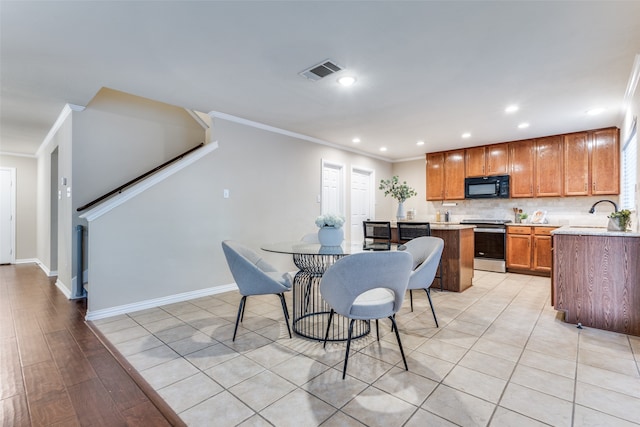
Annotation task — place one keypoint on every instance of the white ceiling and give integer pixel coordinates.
(426, 70)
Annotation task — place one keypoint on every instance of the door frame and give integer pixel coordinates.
(12, 213)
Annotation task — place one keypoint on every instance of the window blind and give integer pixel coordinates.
(630, 170)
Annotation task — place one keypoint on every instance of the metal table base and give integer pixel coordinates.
(310, 311)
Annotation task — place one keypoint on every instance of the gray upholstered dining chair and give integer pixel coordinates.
(426, 253)
(366, 286)
(255, 276)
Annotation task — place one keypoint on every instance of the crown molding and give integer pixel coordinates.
(268, 128)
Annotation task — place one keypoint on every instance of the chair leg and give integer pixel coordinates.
(377, 330)
(326, 336)
(431, 304)
(404, 359)
(240, 316)
(411, 298)
(286, 312)
(346, 356)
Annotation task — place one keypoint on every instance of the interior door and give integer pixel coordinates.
(332, 188)
(362, 201)
(7, 215)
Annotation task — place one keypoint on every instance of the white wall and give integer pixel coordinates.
(167, 241)
(26, 186)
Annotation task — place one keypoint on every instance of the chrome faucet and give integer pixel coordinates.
(593, 208)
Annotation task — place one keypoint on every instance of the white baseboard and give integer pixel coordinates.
(43, 267)
(156, 302)
(63, 289)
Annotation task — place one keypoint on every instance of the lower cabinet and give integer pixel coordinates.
(529, 249)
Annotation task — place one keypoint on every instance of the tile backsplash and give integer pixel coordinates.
(560, 210)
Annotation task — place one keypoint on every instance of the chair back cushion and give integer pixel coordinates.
(352, 276)
(426, 252)
(253, 275)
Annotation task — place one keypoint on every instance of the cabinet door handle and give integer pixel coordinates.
(585, 186)
(594, 186)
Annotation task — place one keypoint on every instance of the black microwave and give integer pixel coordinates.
(487, 187)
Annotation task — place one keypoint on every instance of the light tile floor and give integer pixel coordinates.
(501, 357)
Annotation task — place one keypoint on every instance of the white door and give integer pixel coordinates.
(362, 201)
(332, 188)
(7, 215)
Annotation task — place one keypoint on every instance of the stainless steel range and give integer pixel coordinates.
(490, 238)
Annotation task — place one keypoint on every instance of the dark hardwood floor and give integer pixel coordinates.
(54, 371)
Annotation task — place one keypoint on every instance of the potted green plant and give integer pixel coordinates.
(400, 192)
(620, 220)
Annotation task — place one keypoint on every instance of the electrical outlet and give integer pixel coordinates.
(225, 193)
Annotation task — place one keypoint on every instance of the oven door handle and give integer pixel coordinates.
(490, 230)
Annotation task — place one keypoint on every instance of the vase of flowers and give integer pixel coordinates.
(400, 192)
(619, 221)
(330, 231)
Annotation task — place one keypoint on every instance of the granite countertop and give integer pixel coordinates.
(514, 224)
(583, 230)
(450, 226)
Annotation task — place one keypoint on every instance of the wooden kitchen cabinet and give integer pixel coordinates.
(435, 176)
(592, 163)
(595, 281)
(529, 249)
(605, 155)
(487, 160)
(445, 175)
(522, 159)
(549, 162)
(454, 175)
(576, 161)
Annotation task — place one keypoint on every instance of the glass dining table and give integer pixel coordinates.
(310, 311)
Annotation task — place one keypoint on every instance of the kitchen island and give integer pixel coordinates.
(456, 266)
(596, 278)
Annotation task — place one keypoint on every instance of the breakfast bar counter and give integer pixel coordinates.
(457, 258)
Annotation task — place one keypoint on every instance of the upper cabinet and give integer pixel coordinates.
(548, 176)
(522, 160)
(577, 164)
(576, 161)
(445, 175)
(435, 176)
(487, 160)
(454, 175)
(605, 162)
(592, 163)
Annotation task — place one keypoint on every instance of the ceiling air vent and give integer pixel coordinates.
(321, 70)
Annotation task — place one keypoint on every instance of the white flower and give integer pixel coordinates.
(330, 220)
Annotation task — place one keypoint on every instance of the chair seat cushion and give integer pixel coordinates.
(282, 278)
(373, 304)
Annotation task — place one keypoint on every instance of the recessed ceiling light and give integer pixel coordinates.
(420, 143)
(347, 80)
(523, 125)
(383, 148)
(595, 111)
(511, 109)
(355, 140)
(466, 135)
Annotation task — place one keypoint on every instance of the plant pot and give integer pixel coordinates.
(330, 236)
(618, 224)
